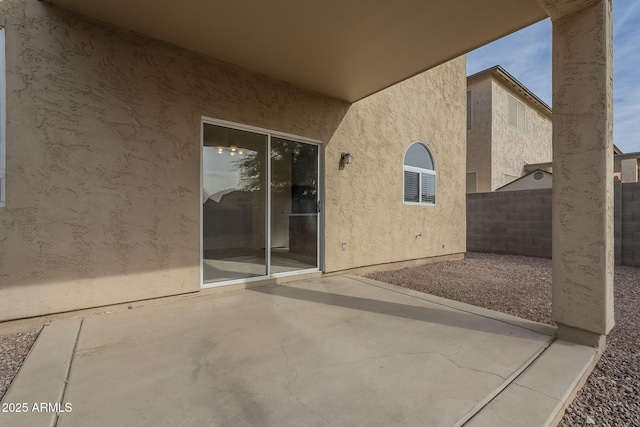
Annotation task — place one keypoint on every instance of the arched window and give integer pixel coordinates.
(419, 175)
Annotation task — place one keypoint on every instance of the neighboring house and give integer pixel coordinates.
(626, 166)
(508, 127)
(535, 180)
(138, 169)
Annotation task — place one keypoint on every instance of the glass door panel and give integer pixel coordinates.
(233, 204)
(294, 205)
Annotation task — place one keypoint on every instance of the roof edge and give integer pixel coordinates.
(500, 72)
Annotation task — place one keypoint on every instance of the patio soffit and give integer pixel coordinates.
(344, 49)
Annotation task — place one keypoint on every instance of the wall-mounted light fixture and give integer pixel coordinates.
(345, 159)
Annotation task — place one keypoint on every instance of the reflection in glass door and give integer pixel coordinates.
(253, 201)
(233, 204)
(294, 205)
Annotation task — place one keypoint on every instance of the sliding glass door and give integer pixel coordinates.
(259, 205)
(234, 180)
(294, 205)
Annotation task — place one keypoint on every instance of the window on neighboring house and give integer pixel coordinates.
(472, 182)
(516, 113)
(469, 107)
(3, 122)
(419, 175)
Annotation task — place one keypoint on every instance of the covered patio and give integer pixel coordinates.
(339, 350)
(350, 51)
(346, 350)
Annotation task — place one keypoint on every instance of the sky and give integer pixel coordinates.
(526, 55)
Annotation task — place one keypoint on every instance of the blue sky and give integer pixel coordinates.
(526, 55)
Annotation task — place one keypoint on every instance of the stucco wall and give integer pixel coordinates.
(479, 137)
(364, 202)
(511, 148)
(103, 161)
(103, 140)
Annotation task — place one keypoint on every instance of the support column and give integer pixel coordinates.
(583, 245)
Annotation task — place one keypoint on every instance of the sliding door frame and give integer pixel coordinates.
(320, 214)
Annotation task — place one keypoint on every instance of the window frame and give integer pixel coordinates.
(3, 120)
(521, 123)
(469, 110)
(475, 181)
(420, 172)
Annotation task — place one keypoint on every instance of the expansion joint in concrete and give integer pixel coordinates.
(66, 379)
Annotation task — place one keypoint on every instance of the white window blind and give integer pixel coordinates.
(515, 113)
(428, 188)
(411, 187)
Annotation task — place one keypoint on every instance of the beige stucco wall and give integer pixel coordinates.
(479, 136)
(364, 202)
(103, 161)
(511, 148)
(103, 157)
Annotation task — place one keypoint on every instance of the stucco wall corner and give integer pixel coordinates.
(364, 207)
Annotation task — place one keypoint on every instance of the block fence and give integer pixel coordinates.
(519, 223)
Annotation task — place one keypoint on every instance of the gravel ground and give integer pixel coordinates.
(521, 286)
(13, 350)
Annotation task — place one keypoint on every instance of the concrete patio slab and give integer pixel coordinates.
(334, 350)
(541, 394)
(43, 378)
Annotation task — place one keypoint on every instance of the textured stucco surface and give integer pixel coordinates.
(495, 148)
(511, 148)
(479, 136)
(103, 140)
(103, 161)
(364, 202)
(583, 166)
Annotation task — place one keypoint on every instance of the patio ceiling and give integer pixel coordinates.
(345, 49)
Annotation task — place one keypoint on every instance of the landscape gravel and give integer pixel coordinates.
(521, 286)
(13, 350)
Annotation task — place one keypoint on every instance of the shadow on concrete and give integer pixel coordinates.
(445, 316)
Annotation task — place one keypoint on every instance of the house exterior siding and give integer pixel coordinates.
(479, 136)
(511, 149)
(364, 201)
(103, 161)
(496, 149)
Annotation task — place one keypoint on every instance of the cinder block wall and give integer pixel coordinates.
(519, 223)
(510, 222)
(630, 217)
(617, 222)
